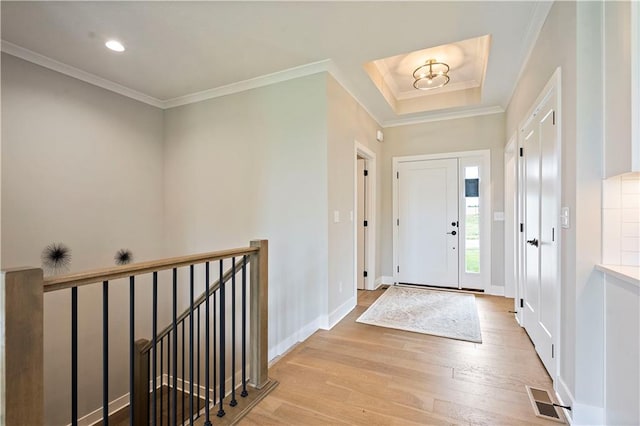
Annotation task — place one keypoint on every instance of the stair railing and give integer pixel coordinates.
(21, 337)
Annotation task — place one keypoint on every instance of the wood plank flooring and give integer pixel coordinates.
(366, 375)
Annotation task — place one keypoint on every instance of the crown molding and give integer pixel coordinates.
(52, 64)
(428, 118)
(301, 71)
(538, 18)
(339, 77)
(253, 83)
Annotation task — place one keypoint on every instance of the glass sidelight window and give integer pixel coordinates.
(472, 219)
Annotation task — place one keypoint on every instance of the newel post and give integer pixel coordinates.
(21, 347)
(259, 325)
(141, 379)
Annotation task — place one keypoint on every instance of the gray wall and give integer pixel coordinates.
(254, 165)
(464, 134)
(82, 166)
(347, 122)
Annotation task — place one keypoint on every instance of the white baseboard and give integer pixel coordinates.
(583, 414)
(496, 290)
(298, 336)
(325, 322)
(383, 280)
(565, 397)
(340, 312)
(164, 380)
(96, 415)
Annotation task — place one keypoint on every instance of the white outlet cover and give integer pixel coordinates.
(565, 217)
(498, 216)
(336, 216)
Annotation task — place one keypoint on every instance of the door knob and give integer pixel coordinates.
(452, 233)
(533, 242)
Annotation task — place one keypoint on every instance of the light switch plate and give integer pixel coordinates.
(336, 216)
(565, 217)
(498, 216)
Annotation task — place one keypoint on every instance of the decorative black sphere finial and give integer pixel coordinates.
(123, 257)
(56, 257)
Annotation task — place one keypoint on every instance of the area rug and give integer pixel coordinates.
(439, 313)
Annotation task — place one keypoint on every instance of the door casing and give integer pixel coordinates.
(485, 209)
(554, 84)
(362, 151)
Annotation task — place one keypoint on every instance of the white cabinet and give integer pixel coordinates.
(622, 351)
(621, 145)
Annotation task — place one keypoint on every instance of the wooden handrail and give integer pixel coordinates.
(107, 274)
(199, 301)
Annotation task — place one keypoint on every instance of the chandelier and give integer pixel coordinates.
(431, 75)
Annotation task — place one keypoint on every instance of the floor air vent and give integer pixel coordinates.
(543, 405)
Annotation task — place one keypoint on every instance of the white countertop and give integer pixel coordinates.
(630, 274)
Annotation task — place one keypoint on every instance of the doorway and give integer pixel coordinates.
(362, 173)
(539, 288)
(364, 217)
(442, 227)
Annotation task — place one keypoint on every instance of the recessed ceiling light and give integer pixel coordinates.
(115, 45)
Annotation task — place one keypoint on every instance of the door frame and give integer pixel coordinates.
(554, 83)
(370, 250)
(486, 208)
(511, 218)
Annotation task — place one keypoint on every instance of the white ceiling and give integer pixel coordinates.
(466, 60)
(181, 48)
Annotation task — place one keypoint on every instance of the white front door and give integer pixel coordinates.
(427, 223)
(541, 231)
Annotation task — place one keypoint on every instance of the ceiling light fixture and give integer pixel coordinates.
(114, 45)
(431, 75)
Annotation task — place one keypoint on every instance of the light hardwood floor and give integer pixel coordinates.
(362, 374)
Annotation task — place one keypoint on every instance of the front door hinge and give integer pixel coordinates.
(521, 152)
(398, 222)
(554, 118)
(522, 303)
(366, 223)
(366, 172)
(397, 175)
(522, 227)
(398, 269)
(364, 274)
(552, 351)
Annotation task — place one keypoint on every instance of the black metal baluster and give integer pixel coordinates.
(184, 412)
(233, 401)
(132, 330)
(150, 394)
(244, 392)
(191, 345)
(168, 376)
(105, 353)
(207, 420)
(174, 396)
(74, 356)
(154, 367)
(222, 342)
(215, 350)
(198, 364)
(161, 375)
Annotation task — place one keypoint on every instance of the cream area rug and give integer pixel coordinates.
(440, 313)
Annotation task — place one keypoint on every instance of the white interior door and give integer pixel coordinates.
(427, 223)
(362, 230)
(540, 227)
